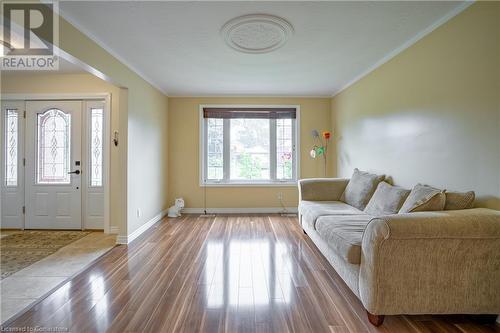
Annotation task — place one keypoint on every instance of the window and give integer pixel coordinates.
(53, 147)
(249, 149)
(248, 145)
(11, 147)
(284, 149)
(215, 148)
(96, 128)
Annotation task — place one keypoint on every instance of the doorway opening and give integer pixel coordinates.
(55, 166)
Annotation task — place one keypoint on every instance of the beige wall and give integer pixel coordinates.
(183, 152)
(23, 83)
(432, 113)
(143, 128)
(147, 156)
(142, 125)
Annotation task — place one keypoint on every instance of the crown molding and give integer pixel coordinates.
(457, 10)
(249, 96)
(113, 53)
(370, 69)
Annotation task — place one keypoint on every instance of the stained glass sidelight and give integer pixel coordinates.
(96, 137)
(11, 147)
(53, 147)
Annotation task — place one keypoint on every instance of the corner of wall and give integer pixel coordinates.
(333, 151)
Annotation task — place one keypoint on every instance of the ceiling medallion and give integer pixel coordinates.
(256, 33)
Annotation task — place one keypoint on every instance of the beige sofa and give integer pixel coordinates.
(439, 262)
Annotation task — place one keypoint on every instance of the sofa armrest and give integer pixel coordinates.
(432, 262)
(322, 189)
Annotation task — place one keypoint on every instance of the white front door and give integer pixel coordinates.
(53, 165)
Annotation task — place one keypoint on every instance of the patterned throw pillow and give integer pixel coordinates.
(459, 200)
(423, 198)
(386, 200)
(360, 188)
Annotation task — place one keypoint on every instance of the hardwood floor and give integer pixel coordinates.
(255, 273)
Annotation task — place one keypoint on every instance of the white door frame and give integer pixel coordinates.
(107, 135)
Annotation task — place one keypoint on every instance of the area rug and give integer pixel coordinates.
(19, 250)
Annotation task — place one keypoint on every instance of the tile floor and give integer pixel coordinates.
(33, 282)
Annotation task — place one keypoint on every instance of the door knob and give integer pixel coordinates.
(76, 172)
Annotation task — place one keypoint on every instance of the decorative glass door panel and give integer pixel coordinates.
(96, 146)
(12, 146)
(53, 147)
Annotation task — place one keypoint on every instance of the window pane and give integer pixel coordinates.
(284, 149)
(96, 142)
(215, 148)
(53, 147)
(249, 149)
(11, 147)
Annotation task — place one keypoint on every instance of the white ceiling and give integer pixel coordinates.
(178, 48)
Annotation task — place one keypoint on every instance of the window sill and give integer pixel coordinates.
(251, 184)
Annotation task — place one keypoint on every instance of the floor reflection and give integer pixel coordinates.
(100, 297)
(247, 273)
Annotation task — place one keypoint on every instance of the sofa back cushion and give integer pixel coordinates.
(459, 200)
(423, 198)
(386, 200)
(360, 188)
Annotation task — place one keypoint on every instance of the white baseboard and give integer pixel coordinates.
(248, 210)
(120, 239)
(114, 230)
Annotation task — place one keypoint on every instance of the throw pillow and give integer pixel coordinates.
(459, 200)
(386, 200)
(360, 188)
(423, 198)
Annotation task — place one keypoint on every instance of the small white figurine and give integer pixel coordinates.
(175, 211)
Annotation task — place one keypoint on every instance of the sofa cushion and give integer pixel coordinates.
(343, 234)
(423, 198)
(311, 210)
(386, 200)
(459, 200)
(360, 188)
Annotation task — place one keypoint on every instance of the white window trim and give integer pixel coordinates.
(250, 183)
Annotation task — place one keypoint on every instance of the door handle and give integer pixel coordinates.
(76, 172)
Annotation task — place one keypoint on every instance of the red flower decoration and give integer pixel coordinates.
(326, 135)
